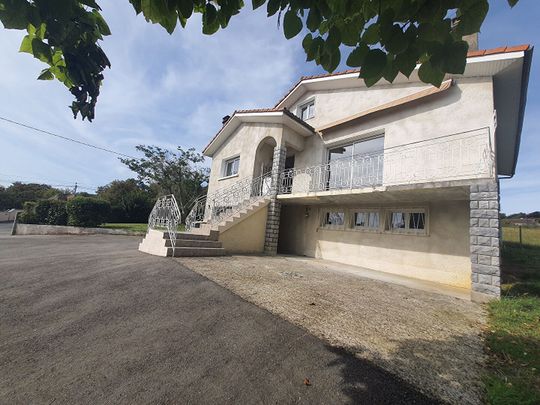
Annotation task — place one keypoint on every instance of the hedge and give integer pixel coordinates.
(87, 211)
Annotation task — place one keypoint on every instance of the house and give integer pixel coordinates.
(400, 178)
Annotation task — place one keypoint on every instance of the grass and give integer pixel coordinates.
(529, 235)
(127, 227)
(135, 227)
(513, 335)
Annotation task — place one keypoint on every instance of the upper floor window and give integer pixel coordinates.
(231, 166)
(307, 110)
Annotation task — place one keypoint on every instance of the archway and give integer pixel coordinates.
(262, 167)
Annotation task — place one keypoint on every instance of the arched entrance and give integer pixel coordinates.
(262, 167)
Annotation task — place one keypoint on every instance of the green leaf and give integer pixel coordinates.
(512, 3)
(471, 15)
(315, 48)
(307, 41)
(41, 51)
(391, 70)
(455, 57)
(272, 7)
(26, 44)
(374, 64)
(334, 38)
(372, 34)
(185, 7)
(100, 21)
(430, 74)
(154, 10)
(356, 57)
(398, 41)
(46, 75)
(314, 19)
(331, 60)
(14, 14)
(292, 24)
(257, 3)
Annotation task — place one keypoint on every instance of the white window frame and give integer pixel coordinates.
(352, 217)
(225, 164)
(406, 231)
(306, 104)
(324, 215)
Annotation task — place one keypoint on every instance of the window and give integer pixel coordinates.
(307, 111)
(334, 219)
(231, 167)
(356, 165)
(406, 221)
(369, 220)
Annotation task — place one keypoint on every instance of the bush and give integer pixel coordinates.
(51, 212)
(87, 211)
(44, 212)
(28, 215)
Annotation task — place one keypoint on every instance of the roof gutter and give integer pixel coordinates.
(527, 62)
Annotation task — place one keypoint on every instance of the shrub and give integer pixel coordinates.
(87, 211)
(28, 215)
(51, 212)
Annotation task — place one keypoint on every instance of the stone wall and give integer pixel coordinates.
(485, 241)
(274, 208)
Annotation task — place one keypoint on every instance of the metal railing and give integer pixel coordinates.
(166, 215)
(224, 203)
(467, 155)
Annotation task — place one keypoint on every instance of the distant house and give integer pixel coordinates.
(401, 177)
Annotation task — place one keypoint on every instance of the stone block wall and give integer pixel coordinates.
(485, 241)
(274, 208)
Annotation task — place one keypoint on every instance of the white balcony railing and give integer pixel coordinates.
(462, 156)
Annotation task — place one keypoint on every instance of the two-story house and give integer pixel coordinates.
(401, 177)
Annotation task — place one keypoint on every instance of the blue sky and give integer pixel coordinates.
(173, 90)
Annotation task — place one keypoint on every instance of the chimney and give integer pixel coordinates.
(225, 119)
(471, 39)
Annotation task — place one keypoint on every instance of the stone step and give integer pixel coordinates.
(194, 243)
(195, 251)
(193, 236)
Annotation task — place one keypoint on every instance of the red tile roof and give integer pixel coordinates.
(470, 54)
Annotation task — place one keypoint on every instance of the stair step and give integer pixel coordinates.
(193, 236)
(194, 243)
(195, 251)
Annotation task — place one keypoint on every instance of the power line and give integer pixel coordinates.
(12, 178)
(65, 138)
(49, 184)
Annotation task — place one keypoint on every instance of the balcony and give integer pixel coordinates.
(456, 157)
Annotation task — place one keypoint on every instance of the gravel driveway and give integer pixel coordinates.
(89, 319)
(433, 341)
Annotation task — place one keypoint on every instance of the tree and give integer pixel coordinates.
(386, 37)
(15, 195)
(171, 173)
(130, 200)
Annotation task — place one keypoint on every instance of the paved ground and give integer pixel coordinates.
(431, 340)
(89, 319)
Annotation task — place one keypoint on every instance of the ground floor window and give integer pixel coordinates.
(406, 221)
(334, 219)
(369, 220)
(391, 220)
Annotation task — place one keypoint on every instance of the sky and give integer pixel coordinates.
(173, 90)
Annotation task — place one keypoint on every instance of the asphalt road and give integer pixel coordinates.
(89, 319)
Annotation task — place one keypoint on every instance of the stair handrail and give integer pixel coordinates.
(166, 215)
(225, 202)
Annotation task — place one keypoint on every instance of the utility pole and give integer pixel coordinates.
(75, 189)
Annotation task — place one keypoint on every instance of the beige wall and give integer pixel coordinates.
(465, 106)
(441, 256)
(244, 143)
(246, 236)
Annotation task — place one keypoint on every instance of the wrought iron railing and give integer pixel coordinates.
(467, 155)
(166, 215)
(224, 203)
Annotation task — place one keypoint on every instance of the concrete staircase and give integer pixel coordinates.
(230, 221)
(201, 241)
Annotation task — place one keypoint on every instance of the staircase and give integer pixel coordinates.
(209, 217)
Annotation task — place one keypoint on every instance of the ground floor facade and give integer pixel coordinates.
(425, 240)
